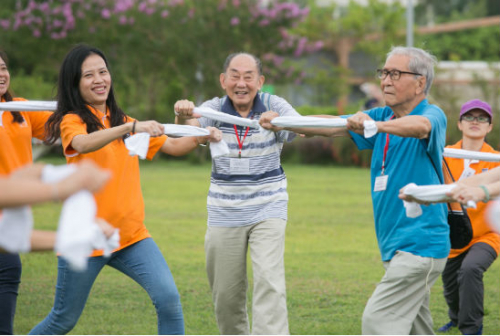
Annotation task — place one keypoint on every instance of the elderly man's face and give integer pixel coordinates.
(242, 81)
(406, 88)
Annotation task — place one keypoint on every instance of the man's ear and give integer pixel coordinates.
(262, 79)
(421, 82)
(222, 78)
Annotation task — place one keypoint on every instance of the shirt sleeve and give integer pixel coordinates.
(71, 126)
(436, 140)
(214, 104)
(38, 120)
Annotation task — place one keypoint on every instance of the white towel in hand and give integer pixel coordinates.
(429, 193)
(16, 226)
(317, 122)
(224, 117)
(78, 234)
(138, 144)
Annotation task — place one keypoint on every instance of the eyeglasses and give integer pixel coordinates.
(480, 119)
(394, 74)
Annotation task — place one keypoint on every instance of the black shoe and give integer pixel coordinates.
(448, 326)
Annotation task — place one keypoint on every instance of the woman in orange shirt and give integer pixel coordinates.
(16, 131)
(463, 274)
(91, 125)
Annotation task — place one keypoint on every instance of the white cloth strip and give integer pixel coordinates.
(138, 144)
(493, 214)
(16, 225)
(429, 193)
(472, 155)
(77, 233)
(29, 105)
(317, 122)
(224, 117)
(184, 130)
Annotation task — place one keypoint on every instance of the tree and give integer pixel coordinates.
(159, 50)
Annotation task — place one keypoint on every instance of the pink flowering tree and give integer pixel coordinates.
(159, 50)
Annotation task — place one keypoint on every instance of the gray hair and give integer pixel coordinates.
(421, 62)
(229, 58)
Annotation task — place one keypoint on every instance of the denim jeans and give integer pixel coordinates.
(143, 262)
(10, 277)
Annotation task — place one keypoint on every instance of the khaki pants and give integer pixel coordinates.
(226, 257)
(400, 303)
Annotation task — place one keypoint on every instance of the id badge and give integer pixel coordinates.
(468, 172)
(239, 166)
(381, 183)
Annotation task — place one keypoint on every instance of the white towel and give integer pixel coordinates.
(429, 193)
(493, 214)
(78, 234)
(314, 122)
(224, 117)
(138, 144)
(16, 226)
(29, 105)
(473, 155)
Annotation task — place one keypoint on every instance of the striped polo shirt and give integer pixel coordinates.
(239, 200)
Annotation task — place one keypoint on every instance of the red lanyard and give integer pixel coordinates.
(240, 142)
(386, 148)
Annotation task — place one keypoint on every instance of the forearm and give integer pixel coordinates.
(24, 192)
(331, 132)
(181, 146)
(191, 122)
(43, 240)
(409, 127)
(491, 176)
(494, 189)
(87, 143)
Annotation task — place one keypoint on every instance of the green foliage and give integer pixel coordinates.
(331, 257)
(481, 44)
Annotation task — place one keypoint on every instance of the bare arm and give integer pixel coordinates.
(87, 143)
(24, 189)
(409, 127)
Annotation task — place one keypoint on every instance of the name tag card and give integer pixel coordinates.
(239, 166)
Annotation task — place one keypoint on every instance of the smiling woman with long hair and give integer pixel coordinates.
(92, 126)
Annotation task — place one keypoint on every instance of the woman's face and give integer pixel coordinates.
(95, 82)
(4, 77)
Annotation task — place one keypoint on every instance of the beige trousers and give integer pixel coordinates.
(400, 303)
(226, 258)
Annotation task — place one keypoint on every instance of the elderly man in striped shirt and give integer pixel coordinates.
(247, 203)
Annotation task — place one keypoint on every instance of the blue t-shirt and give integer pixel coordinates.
(408, 160)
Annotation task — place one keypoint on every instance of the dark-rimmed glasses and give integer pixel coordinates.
(479, 119)
(393, 74)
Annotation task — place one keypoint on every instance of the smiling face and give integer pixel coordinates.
(242, 81)
(406, 92)
(474, 129)
(95, 82)
(4, 77)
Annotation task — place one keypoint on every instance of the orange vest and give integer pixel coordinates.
(120, 202)
(482, 232)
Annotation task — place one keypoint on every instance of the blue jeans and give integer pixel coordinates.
(143, 262)
(10, 277)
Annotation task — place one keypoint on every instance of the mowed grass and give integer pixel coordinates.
(332, 259)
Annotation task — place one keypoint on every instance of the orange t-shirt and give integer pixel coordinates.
(15, 138)
(120, 202)
(482, 232)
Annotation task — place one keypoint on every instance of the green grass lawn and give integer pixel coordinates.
(332, 260)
